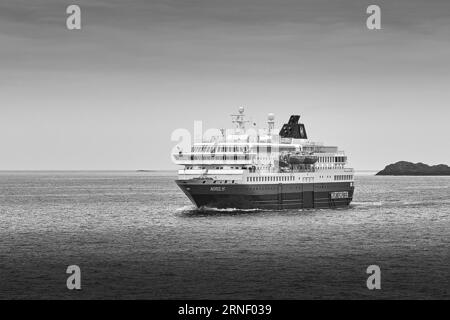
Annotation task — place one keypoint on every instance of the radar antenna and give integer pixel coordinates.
(239, 120)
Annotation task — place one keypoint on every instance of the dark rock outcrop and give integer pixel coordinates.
(404, 168)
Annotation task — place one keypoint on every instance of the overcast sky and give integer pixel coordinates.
(110, 95)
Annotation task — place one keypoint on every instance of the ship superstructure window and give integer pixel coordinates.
(343, 177)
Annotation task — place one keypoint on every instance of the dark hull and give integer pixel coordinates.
(267, 196)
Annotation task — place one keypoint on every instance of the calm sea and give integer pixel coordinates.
(135, 235)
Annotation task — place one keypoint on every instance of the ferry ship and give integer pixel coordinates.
(245, 168)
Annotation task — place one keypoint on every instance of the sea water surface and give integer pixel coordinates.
(135, 235)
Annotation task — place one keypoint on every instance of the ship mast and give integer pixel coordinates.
(239, 120)
(271, 123)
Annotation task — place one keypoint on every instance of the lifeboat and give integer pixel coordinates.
(297, 158)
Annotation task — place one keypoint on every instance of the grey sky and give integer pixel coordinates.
(110, 95)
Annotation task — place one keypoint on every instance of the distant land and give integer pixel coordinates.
(404, 168)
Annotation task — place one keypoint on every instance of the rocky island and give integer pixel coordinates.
(404, 168)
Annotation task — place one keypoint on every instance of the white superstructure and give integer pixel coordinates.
(250, 156)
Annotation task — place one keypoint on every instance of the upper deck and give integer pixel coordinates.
(261, 151)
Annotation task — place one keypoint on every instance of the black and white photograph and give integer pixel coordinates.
(237, 151)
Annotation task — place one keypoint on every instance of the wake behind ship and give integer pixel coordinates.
(265, 169)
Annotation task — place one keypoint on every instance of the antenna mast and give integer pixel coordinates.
(239, 120)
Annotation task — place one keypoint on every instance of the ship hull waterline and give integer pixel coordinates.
(268, 196)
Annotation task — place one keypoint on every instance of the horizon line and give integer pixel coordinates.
(122, 170)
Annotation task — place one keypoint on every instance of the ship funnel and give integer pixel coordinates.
(293, 129)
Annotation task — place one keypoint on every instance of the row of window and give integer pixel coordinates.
(278, 178)
(343, 177)
(332, 159)
(216, 157)
(270, 178)
(214, 168)
(328, 167)
(335, 161)
(257, 148)
(213, 149)
(292, 178)
(220, 181)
